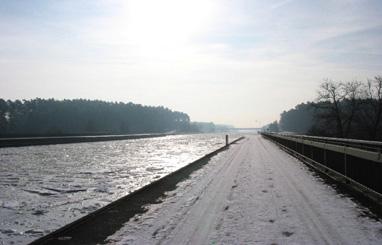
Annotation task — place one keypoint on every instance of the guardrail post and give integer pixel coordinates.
(226, 139)
(345, 162)
(311, 152)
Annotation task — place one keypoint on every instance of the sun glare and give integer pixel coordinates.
(156, 25)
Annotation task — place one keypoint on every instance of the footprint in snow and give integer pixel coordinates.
(155, 233)
(287, 233)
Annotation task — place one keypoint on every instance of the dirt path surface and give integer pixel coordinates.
(252, 193)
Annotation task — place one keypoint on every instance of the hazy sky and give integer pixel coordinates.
(237, 62)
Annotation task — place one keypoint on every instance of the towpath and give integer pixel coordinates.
(253, 193)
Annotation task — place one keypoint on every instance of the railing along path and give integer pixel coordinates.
(355, 162)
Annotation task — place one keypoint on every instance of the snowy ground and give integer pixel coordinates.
(252, 193)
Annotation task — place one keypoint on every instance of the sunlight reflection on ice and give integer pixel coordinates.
(45, 187)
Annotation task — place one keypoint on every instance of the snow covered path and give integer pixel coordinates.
(252, 193)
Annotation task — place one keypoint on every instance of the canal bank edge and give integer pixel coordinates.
(19, 142)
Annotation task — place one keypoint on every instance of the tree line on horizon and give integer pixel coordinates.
(350, 109)
(50, 117)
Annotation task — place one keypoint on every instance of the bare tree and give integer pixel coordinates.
(339, 102)
(353, 93)
(371, 115)
(330, 95)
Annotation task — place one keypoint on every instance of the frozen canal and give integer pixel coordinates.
(253, 193)
(45, 187)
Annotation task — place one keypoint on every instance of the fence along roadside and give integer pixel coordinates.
(352, 165)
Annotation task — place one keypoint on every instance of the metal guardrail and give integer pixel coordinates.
(356, 161)
(361, 144)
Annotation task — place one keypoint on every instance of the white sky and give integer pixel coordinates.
(236, 62)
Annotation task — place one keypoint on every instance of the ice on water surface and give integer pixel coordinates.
(45, 187)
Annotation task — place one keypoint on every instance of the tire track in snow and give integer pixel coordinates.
(275, 195)
(203, 217)
(253, 208)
